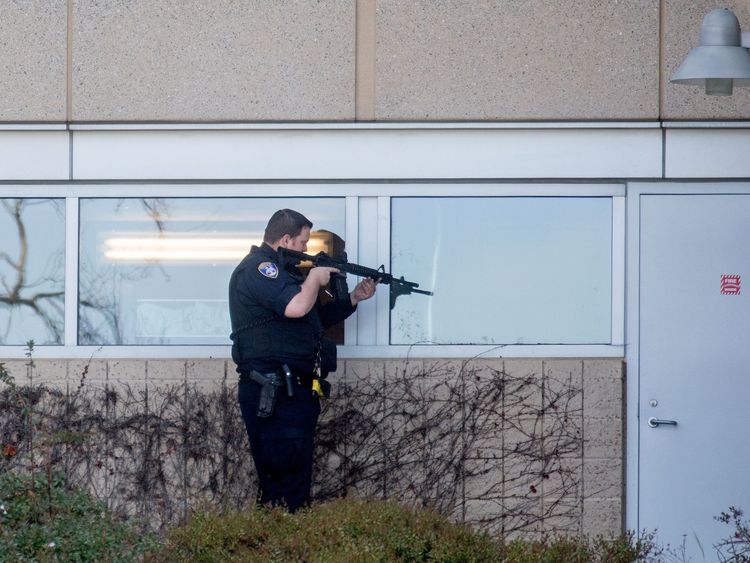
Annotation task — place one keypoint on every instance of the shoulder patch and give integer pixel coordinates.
(269, 269)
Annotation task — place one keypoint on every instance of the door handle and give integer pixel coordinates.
(653, 422)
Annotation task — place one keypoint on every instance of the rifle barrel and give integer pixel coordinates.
(323, 259)
(422, 291)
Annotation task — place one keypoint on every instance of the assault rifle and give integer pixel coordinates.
(399, 286)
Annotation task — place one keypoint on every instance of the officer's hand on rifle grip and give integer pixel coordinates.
(322, 275)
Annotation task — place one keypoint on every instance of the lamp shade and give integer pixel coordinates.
(720, 61)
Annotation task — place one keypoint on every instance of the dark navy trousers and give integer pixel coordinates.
(282, 445)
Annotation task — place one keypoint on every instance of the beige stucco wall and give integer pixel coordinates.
(33, 60)
(544, 453)
(213, 60)
(289, 60)
(517, 60)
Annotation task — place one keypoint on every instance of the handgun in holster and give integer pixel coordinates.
(269, 388)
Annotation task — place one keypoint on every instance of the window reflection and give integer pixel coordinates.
(155, 271)
(506, 270)
(32, 268)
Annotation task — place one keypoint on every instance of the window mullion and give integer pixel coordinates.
(71, 271)
(352, 246)
(618, 271)
(384, 257)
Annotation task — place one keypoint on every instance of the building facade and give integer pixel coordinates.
(573, 212)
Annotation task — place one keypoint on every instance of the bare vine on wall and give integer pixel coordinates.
(479, 445)
(147, 453)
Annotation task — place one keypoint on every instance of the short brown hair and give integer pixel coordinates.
(285, 222)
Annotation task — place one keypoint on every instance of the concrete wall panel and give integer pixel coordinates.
(33, 61)
(682, 23)
(513, 60)
(293, 60)
(217, 60)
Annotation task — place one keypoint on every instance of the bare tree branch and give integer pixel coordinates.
(17, 292)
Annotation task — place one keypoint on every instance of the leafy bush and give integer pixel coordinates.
(343, 530)
(359, 530)
(42, 520)
(578, 550)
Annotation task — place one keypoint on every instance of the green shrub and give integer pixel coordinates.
(42, 520)
(342, 530)
(624, 549)
(627, 548)
(352, 530)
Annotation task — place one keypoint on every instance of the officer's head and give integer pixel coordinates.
(288, 229)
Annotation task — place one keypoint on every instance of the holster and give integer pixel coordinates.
(325, 388)
(269, 388)
(327, 356)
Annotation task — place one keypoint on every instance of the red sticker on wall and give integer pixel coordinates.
(730, 284)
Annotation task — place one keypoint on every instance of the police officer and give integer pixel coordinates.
(279, 347)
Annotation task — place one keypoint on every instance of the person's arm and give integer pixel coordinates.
(305, 300)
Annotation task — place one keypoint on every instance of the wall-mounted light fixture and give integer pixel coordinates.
(722, 60)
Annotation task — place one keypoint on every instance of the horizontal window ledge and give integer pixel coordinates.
(706, 124)
(344, 352)
(298, 189)
(410, 125)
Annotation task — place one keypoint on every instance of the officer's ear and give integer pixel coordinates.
(284, 241)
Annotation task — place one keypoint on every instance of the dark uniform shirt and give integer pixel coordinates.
(260, 289)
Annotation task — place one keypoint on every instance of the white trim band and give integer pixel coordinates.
(354, 154)
(344, 352)
(347, 125)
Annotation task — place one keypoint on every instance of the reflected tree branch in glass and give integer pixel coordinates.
(89, 333)
(47, 305)
(101, 297)
(156, 208)
(100, 320)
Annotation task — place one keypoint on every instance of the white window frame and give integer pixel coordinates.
(368, 230)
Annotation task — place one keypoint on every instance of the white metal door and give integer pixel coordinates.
(694, 366)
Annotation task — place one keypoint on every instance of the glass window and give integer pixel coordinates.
(156, 271)
(32, 271)
(505, 270)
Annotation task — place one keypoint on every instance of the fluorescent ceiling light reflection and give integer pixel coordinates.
(171, 248)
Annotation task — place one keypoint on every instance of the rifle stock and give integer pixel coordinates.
(399, 286)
